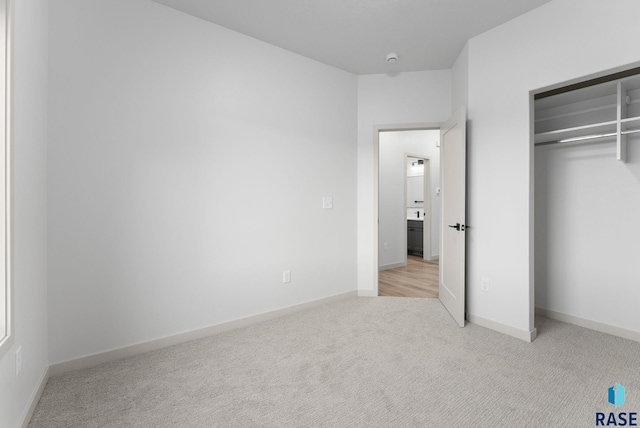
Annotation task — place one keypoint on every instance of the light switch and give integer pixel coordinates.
(327, 203)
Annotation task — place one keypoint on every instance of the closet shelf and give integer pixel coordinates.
(578, 131)
(631, 122)
(586, 114)
(574, 113)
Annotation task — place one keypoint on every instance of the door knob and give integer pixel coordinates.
(459, 227)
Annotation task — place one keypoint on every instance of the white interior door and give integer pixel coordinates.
(453, 138)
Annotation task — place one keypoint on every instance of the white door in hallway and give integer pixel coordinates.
(453, 137)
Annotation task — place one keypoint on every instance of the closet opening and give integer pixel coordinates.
(586, 187)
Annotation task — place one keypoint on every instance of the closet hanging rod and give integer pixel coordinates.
(587, 137)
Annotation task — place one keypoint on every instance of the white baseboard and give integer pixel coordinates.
(593, 325)
(35, 398)
(152, 345)
(392, 266)
(527, 336)
(367, 293)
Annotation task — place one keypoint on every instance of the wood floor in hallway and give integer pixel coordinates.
(418, 279)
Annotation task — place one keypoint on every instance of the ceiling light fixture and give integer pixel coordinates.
(392, 58)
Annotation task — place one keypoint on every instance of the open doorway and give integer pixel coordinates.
(408, 212)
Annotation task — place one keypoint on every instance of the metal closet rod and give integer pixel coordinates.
(588, 137)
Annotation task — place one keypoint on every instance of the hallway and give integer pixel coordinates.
(418, 279)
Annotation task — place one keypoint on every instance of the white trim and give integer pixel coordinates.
(426, 190)
(531, 265)
(152, 345)
(405, 238)
(7, 337)
(367, 293)
(392, 266)
(593, 325)
(527, 336)
(35, 398)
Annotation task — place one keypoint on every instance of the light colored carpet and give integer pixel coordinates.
(361, 362)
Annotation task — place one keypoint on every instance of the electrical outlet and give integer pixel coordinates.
(386, 246)
(484, 284)
(18, 360)
(286, 276)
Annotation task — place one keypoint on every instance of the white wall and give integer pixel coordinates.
(587, 248)
(392, 176)
(29, 212)
(550, 45)
(152, 115)
(385, 99)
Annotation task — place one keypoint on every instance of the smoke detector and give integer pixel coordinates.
(392, 58)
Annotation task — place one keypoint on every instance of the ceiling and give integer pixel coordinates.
(357, 35)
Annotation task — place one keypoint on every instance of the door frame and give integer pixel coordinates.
(430, 126)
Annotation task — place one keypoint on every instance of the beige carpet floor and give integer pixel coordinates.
(361, 362)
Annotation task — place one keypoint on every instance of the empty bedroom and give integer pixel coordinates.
(208, 205)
